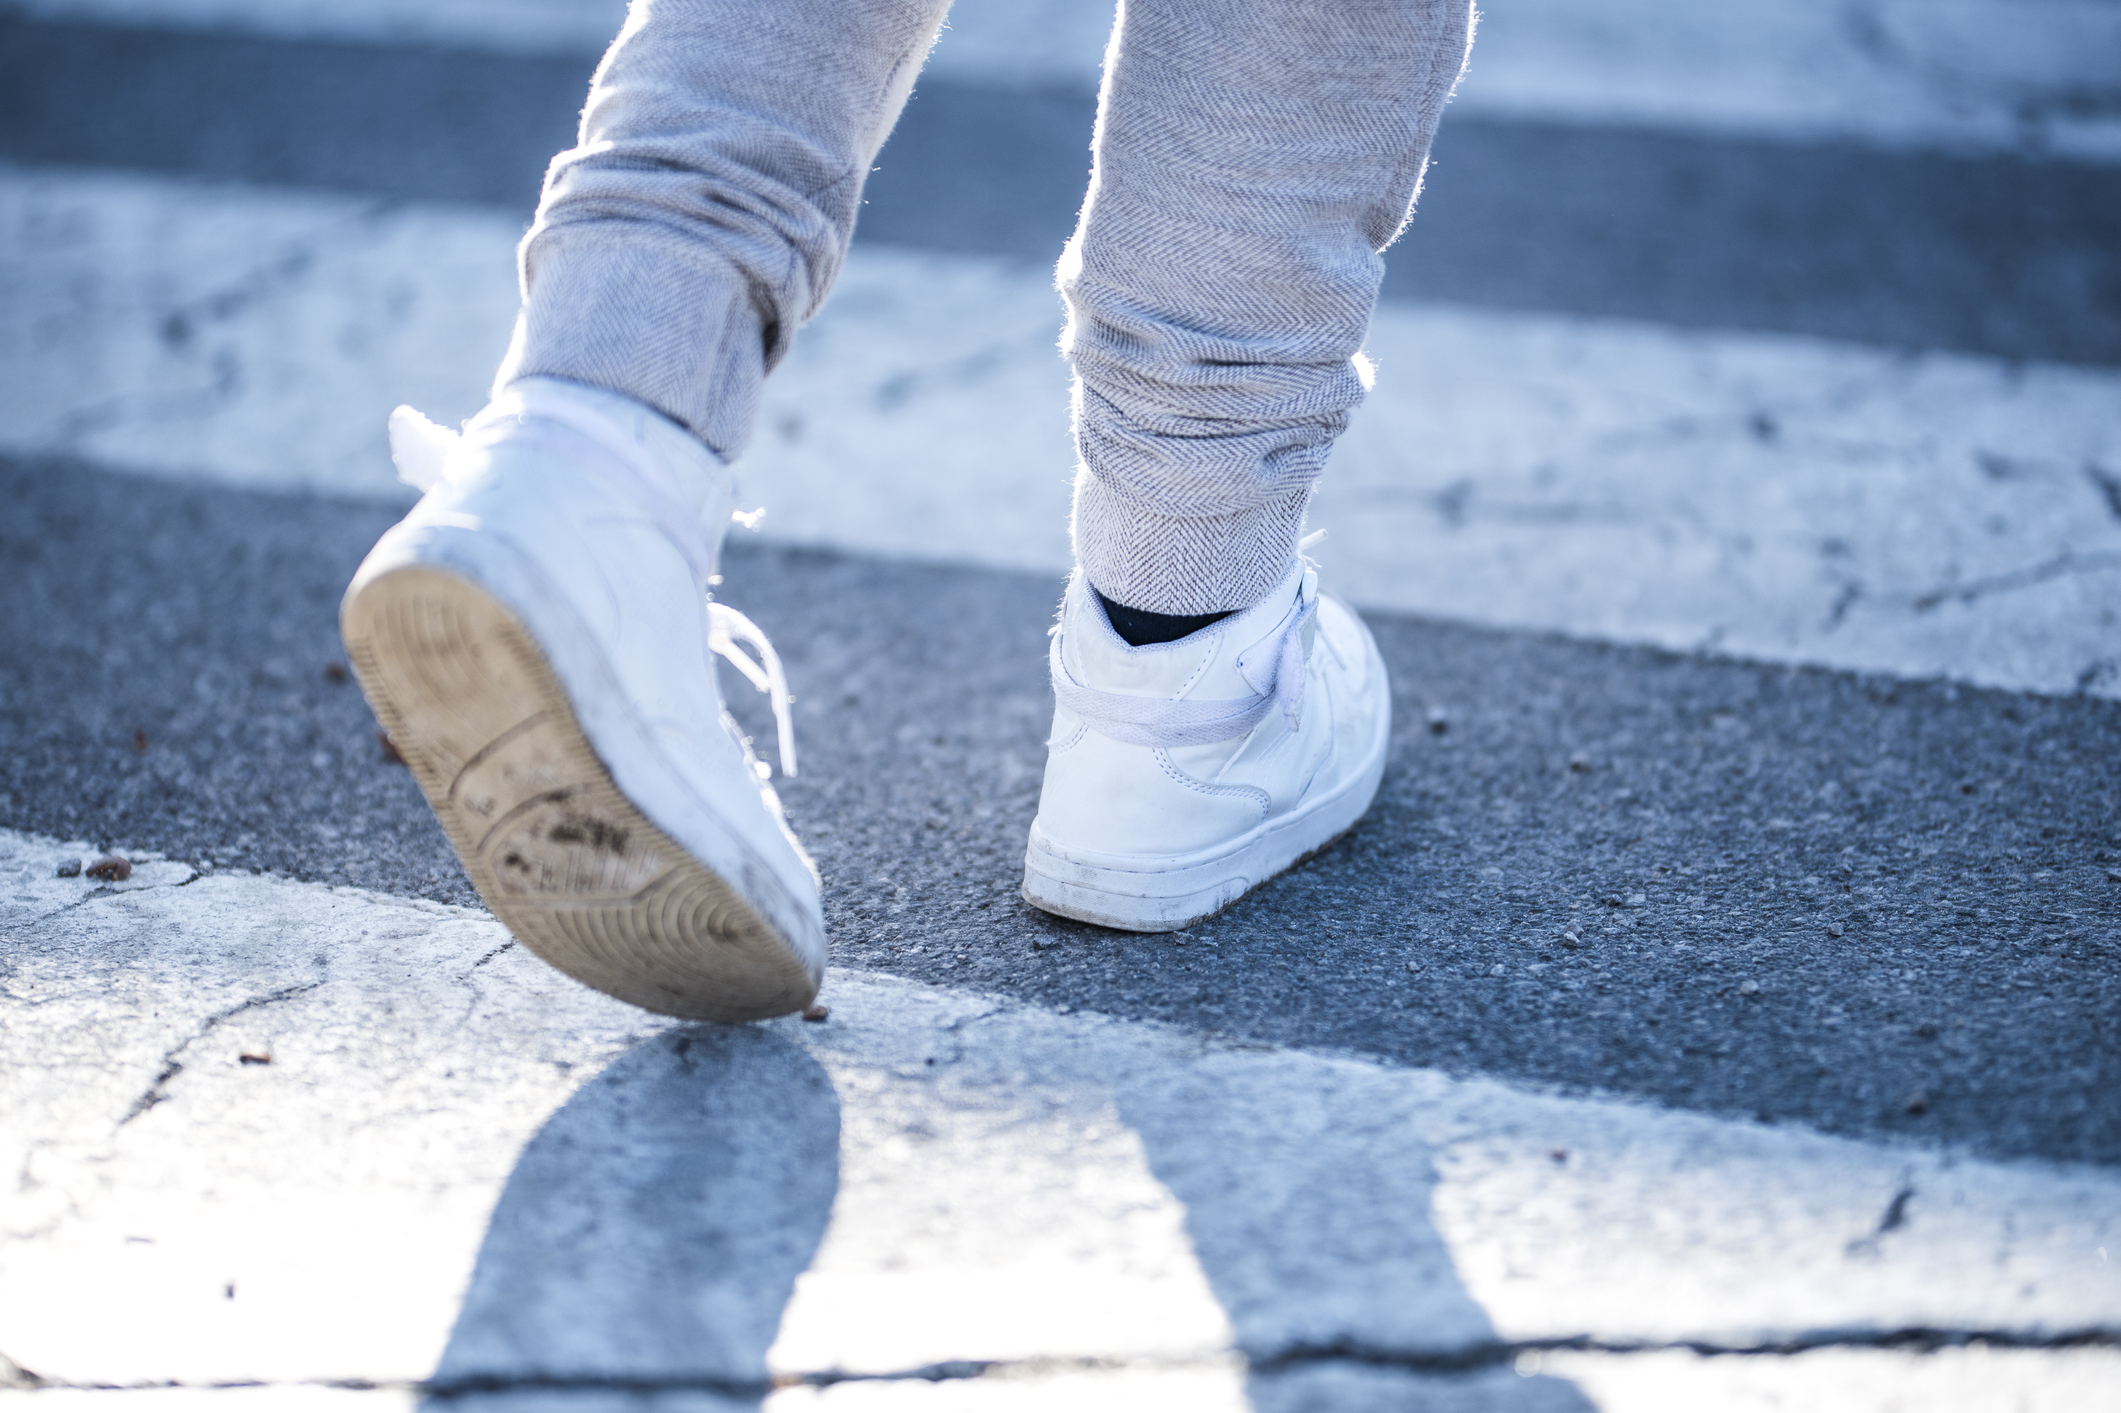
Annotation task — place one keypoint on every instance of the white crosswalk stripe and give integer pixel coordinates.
(260, 1126)
(1770, 496)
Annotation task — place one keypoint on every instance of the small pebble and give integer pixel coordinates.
(1833, 929)
(1413, 967)
(1559, 1155)
(1749, 987)
(390, 748)
(1570, 939)
(255, 1057)
(111, 868)
(1636, 900)
(816, 1011)
(1580, 763)
(139, 741)
(70, 869)
(1498, 970)
(1438, 722)
(1918, 1102)
(2113, 875)
(335, 672)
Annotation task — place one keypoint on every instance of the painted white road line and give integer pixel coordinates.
(1773, 497)
(1776, 497)
(260, 1130)
(240, 336)
(1965, 74)
(1959, 74)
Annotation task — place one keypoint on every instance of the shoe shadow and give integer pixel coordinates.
(651, 1233)
(1309, 1196)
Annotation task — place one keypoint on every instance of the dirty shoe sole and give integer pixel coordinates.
(566, 861)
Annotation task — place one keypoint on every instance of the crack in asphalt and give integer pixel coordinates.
(490, 956)
(2061, 564)
(1472, 1358)
(2108, 484)
(104, 890)
(1913, 1339)
(182, 329)
(158, 1091)
(1894, 1219)
(81, 902)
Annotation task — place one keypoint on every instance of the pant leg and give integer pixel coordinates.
(1253, 159)
(704, 213)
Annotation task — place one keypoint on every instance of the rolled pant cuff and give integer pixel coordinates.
(660, 319)
(1184, 564)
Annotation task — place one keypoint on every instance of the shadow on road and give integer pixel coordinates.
(652, 1233)
(653, 1229)
(1311, 1222)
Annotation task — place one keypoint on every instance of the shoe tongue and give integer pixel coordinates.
(1201, 666)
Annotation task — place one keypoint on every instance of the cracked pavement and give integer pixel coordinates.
(1721, 1008)
(933, 1186)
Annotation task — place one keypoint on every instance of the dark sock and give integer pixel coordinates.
(1141, 627)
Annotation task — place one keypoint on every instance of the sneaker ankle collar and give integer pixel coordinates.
(1273, 665)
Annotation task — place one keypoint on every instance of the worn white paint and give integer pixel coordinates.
(1959, 74)
(246, 337)
(1975, 75)
(1774, 497)
(1777, 497)
(1012, 1184)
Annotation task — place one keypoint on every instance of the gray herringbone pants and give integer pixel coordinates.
(1252, 158)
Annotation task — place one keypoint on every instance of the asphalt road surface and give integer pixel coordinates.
(1873, 906)
(1612, 901)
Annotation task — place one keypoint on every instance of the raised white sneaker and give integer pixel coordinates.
(1180, 776)
(535, 636)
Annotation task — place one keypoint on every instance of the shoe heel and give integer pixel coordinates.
(554, 848)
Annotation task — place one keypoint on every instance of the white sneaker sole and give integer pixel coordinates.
(557, 850)
(1166, 894)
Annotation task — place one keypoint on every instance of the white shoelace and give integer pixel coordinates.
(726, 629)
(425, 454)
(1165, 722)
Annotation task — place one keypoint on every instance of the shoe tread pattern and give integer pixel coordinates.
(571, 866)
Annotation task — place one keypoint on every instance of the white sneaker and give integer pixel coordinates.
(535, 636)
(1180, 776)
